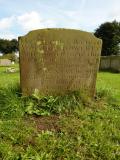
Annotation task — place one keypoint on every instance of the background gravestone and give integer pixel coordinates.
(57, 60)
(5, 62)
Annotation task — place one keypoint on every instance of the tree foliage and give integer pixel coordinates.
(8, 46)
(109, 32)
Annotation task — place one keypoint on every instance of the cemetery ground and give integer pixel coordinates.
(71, 127)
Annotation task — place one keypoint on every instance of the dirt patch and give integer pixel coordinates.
(50, 123)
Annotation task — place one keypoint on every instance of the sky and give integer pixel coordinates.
(18, 17)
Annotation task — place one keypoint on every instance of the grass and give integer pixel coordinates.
(55, 128)
(7, 79)
(109, 81)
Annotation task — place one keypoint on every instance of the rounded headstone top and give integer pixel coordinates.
(62, 32)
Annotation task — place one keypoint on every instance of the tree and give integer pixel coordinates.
(7, 46)
(109, 32)
(14, 45)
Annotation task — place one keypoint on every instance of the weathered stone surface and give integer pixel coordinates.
(5, 62)
(11, 70)
(57, 60)
(110, 63)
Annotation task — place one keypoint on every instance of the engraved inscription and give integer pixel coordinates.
(59, 60)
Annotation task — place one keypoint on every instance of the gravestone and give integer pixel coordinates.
(55, 61)
(111, 63)
(5, 62)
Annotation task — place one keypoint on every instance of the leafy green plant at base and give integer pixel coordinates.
(46, 105)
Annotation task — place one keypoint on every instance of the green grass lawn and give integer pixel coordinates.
(8, 78)
(35, 128)
(110, 81)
